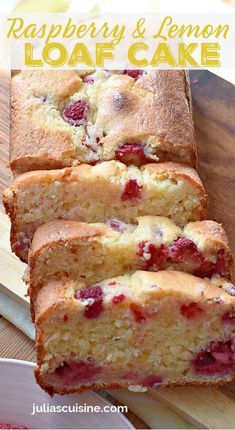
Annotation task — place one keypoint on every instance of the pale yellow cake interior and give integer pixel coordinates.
(164, 344)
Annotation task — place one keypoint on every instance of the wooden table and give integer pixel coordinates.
(214, 114)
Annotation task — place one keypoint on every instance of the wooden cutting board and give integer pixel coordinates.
(214, 116)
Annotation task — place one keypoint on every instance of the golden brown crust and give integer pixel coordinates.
(167, 169)
(61, 231)
(164, 170)
(211, 231)
(33, 146)
(178, 170)
(161, 96)
(56, 83)
(170, 169)
(49, 297)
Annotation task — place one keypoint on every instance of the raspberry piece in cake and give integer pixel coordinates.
(75, 372)
(217, 359)
(75, 113)
(152, 381)
(95, 296)
(118, 299)
(135, 74)
(22, 246)
(131, 153)
(137, 312)
(191, 310)
(229, 317)
(183, 249)
(152, 255)
(132, 190)
(221, 265)
(207, 269)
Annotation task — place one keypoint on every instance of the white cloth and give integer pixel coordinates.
(17, 314)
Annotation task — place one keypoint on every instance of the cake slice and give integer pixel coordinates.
(89, 253)
(60, 118)
(138, 331)
(99, 193)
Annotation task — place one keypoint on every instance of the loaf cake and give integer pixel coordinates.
(99, 193)
(89, 253)
(60, 119)
(138, 331)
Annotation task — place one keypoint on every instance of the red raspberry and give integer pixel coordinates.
(223, 352)
(118, 299)
(217, 358)
(221, 265)
(135, 74)
(22, 245)
(190, 311)
(132, 190)
(130, 374)
(152, 381)
(204, 363)
(93, 309)
(182, 249)
(157, 255)
(75, 113)
(136, 309)
(111, 283)
(229, 317)
(207, 269)
(74, 372)
(131, 153)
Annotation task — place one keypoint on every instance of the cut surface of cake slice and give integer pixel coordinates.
(60, 118)
(138, 331)
(99, 193)
(89, 253)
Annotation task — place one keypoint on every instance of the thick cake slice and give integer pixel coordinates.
(99, 193)
(60, 118)
(90, 253)
(138, 331)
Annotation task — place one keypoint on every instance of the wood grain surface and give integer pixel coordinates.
(214, 116)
